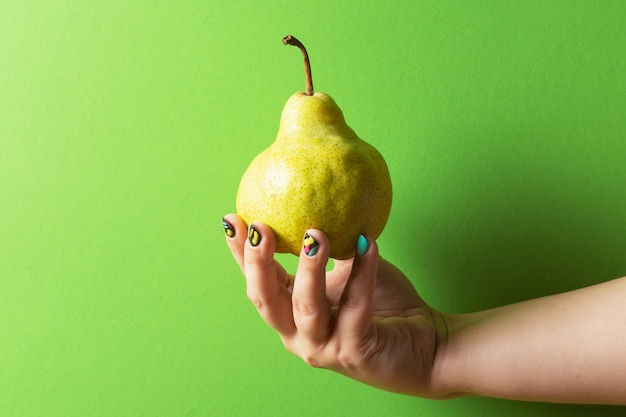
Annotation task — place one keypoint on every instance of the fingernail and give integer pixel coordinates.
(362, 245)
(253, 235)
(310, 245)
(228, 228)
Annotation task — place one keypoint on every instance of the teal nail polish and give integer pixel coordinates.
(362, 245)
(310, 245)
(253, 235)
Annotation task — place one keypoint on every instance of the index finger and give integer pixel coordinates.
(264, 280)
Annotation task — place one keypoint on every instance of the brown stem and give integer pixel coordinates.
(290, 40)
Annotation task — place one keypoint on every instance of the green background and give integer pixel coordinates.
(124, 130)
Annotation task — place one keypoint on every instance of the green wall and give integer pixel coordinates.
(124, 130)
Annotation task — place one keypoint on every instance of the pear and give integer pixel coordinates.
(317, 174)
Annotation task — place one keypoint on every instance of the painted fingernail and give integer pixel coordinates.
(310, 245)
(228, 228)
(362, 245)
(253, 235)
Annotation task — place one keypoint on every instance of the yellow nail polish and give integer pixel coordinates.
(253, 235)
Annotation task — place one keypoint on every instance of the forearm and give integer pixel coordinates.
(569, 347)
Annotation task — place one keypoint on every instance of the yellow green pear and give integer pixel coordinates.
(318, 174)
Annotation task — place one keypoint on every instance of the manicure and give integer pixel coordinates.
(362, 245)
(310, 245)
(228, 228)
(253, 235)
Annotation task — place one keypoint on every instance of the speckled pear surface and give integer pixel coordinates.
(317, 174)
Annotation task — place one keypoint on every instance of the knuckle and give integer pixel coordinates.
(313, 355)
(349, 359)
(312, 361)
(310, 356)
(351, 302)
(256, 300)
(304, 307)
(290, 346)
(346, 358)
(356, 354)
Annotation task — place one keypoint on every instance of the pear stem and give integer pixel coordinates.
(290, 40)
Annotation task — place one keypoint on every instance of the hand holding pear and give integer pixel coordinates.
(318, 174)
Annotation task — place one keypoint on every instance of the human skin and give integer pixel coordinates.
(365, 320)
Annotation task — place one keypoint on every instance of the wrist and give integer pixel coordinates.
(446, 380)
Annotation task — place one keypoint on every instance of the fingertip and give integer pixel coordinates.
(314, 253)
(366, 246)
(254, 236)
(235, 233)
(362, 245)
(258, 250)
(260, 237)
(314, 244)
(366, 259)
(233, 225)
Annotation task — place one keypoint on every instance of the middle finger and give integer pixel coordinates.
(311, 308)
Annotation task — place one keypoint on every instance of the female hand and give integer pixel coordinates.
(362, 319)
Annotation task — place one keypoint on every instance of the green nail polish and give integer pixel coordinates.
(362, 245)
(253, 235)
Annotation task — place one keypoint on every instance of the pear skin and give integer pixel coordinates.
(317, 174)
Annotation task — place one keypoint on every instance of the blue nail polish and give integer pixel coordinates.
(362, 245)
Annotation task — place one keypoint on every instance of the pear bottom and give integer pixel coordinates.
(344, 191)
